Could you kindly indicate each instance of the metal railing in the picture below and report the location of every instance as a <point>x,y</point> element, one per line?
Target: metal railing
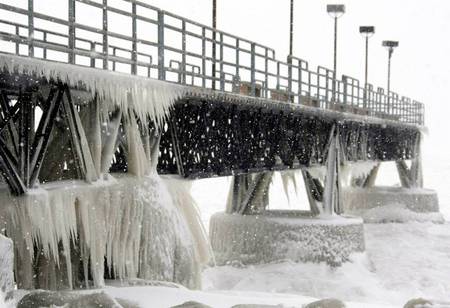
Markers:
<point>182,49</point>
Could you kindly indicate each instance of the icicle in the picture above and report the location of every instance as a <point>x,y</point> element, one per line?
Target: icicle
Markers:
<point>137,159</point>
<point>142,96</point>
<point>288,177</point>
<point>146,228</point>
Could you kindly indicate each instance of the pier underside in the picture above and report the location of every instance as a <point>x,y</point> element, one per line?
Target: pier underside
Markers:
<point>207,134</point>
<point>233,135</point>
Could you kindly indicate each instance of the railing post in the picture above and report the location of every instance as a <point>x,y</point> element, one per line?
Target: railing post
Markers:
<point>422,121</point>
<point>161,69</point>
<point>105,35</point>
<point>134,38</point>
<point>222,75</point>
<point>222,81</point>
<point>30,28</point>
<point>345,84</point>
<point>71,31</point>
<point>253,70</point>
<point>289,77</point>
<point>278,75</point>
<point>266,72</point>
<point>183,53</point>
<point>114,61</point>
<point>92,57</point>
<point>203,57</point>
<point>237,58</point>
<point>17,43</point>
<point>300,82</point>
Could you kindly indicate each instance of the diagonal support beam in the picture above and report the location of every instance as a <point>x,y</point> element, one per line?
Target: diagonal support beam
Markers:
<point>332,200</point>
<point>314,191</point>
<point>43,132</point>
<point>253,201</point>
<point>9,170</point>
<point>81,148</point>
<point>404,173</point>
<point>8,115</point>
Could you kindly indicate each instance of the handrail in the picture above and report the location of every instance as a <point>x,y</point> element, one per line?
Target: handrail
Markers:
<point>237,60</point>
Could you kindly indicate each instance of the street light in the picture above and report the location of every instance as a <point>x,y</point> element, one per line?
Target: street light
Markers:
<point>335,11</point>
<point>390,45</point>
<point>367,32</point>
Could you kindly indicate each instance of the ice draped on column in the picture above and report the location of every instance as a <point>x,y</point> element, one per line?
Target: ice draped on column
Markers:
<point>134,224</point>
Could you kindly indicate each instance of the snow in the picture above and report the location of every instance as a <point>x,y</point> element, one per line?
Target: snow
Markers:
<point>401,262</point>
<point>6,264</point>
<point>144,96</point>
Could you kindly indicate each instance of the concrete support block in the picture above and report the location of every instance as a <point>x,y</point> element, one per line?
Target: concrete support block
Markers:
<point>418,200</point>
<point>274,236</point>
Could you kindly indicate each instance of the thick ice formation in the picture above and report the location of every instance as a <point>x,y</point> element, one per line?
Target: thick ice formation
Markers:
<point>399,213</point>
<point>134,224</point>
<point>6,265</point>
<point>144,96</point>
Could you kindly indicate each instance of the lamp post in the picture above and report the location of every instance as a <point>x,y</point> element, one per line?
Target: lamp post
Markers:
<point>214,26</point>
<point>335,11</point>
<point>390,45</point>
<point>291,30</point>
<point>367,32</point>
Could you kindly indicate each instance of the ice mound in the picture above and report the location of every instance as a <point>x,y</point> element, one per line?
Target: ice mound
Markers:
<point>399,213</point>
<point>122,227</point>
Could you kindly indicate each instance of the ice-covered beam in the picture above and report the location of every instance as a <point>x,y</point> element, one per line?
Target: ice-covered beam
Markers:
<point>145,97</point>
<point>213,136</point>
<point>143,227</point>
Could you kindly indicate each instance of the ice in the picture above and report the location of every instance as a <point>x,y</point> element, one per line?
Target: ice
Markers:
<point>144,96</point>
<point>6,265</point>
<point>132,222</point>
<point>352,170</point>
<point>399,213</point>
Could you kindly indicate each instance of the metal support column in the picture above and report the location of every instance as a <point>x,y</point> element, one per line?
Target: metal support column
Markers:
<point>161,65</point>
<point>71,31</point>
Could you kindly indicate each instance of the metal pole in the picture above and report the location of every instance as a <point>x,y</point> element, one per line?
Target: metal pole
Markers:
<point>105,35</point>
<point>214,25</point>
<point>30,28</point>
<point>291,33</point>
<point>367,62</point>
<point>335,59</point>
<point>389,79</point>
<point>291,43</point>
<point>366,72</point>
<point>71,42</point>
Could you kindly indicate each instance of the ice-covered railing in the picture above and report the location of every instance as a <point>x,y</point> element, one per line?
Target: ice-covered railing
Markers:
<point>154,43</point>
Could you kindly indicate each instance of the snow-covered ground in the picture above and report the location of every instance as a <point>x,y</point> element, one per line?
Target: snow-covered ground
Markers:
<point>402,261</point>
